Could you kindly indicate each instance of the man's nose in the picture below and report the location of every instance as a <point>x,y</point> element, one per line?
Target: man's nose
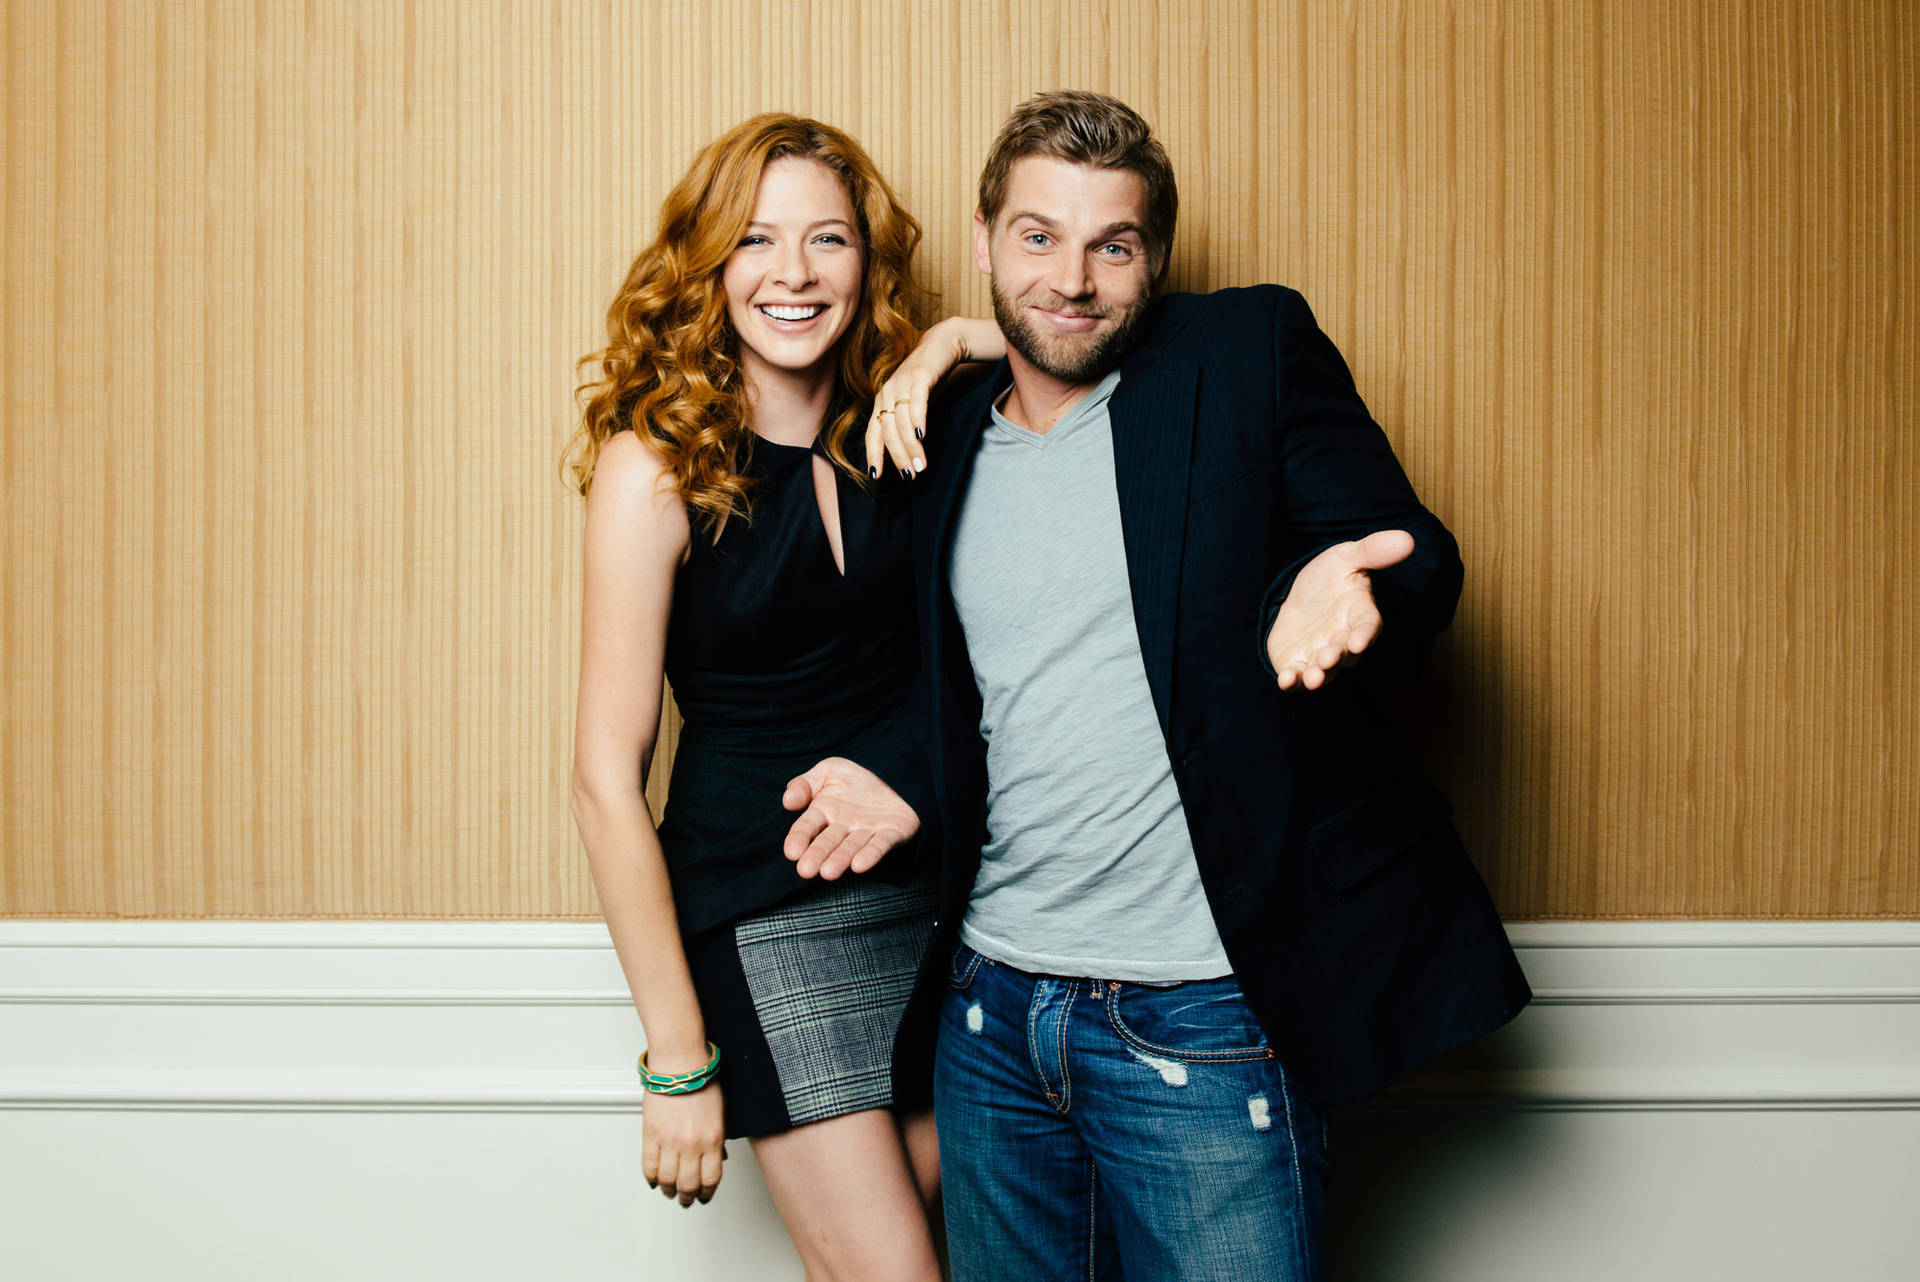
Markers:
<point>1070,277</point>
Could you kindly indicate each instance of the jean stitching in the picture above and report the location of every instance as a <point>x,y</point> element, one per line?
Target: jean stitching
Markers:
<point>1060,1046</point>
<point>1133,1039</point>
<point>1299,1181</point>
<point>965,979</point>
<point>1033,1046</point>
<point>1093,1223</point>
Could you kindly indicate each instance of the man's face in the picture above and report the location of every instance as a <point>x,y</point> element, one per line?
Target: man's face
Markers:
<point>1068,260</point>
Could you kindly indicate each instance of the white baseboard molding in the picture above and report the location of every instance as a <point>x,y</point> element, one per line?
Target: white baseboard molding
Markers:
<point>528,1016</point>
<point>1568,1089</point>
<point>1684,1100</point>
<point>315,1016</point>
<point>1661,1016</point>
<point>294,1091</point>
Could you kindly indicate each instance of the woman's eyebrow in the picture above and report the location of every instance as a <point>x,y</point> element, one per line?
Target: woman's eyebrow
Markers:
<point>823,222</point>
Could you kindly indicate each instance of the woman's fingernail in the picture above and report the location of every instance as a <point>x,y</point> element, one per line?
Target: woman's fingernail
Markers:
<point>919,433</point>
<point>905,475</point>
<point>874,471</point>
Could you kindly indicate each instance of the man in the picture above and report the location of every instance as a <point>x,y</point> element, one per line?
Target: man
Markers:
<point>1195,890</point>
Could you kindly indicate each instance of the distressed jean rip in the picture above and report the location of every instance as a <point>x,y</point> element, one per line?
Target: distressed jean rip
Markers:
<point>1171,1071</point>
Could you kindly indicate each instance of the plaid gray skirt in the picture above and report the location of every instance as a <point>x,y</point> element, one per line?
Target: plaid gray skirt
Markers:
<point>804,1001</point>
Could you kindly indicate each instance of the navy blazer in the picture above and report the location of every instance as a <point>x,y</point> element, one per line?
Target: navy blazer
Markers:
<point>1364,939</point>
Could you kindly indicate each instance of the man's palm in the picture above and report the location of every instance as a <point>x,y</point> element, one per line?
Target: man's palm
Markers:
<point>1329,616</point>
<point>849,819</point>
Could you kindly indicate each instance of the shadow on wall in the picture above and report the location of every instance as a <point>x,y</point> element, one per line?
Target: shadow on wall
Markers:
<point>1475,727</point>
<point>1401,1165</point>
<point>1393,1197</point>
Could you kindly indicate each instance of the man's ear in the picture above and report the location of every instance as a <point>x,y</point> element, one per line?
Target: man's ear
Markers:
<point>982,242</point>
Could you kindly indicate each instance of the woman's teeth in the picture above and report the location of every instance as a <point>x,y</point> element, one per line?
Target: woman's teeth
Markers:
<point>793,313</point>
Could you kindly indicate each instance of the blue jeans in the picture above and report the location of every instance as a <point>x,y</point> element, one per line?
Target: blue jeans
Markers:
<point>1097,1129</point>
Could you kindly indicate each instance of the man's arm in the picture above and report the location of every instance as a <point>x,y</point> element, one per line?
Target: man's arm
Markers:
<point>855,809</point>
<point>1380,575</point>
<point>849,819</point>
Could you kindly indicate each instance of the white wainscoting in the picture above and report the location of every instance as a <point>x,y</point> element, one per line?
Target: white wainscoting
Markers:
<point>370,1100</point>
<point>1684,1100</point>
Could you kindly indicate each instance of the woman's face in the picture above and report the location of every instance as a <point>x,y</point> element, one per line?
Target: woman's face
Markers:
<point>793,283</point>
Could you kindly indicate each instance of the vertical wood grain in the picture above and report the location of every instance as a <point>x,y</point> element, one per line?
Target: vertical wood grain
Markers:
<point>293,295</point>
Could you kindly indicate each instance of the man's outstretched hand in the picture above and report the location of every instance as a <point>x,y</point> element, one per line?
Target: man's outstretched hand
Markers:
<point>848,819</point>
<point>1329,616</point>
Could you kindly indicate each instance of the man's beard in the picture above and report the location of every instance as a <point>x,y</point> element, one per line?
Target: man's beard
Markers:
<point>1071,358</point>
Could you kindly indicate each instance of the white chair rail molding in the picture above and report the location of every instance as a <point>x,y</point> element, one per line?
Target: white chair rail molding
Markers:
<point>303,1100</point>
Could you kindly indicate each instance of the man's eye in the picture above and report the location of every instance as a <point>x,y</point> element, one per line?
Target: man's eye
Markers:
<point>1115,251</point>
<point>1035,238</point>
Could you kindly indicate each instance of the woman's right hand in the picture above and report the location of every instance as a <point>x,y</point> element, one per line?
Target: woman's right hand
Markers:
<point>899,419</point>
<point>683,1144</point>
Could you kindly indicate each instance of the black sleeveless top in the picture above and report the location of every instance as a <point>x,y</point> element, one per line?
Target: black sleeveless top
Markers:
<point>776,660</point>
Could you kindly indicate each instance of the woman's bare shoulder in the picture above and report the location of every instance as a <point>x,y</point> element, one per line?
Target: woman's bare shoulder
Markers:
<point>633,487</point>
<point>628,463</point>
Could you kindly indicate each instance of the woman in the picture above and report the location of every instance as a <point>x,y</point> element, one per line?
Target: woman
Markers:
<point>731,544</point>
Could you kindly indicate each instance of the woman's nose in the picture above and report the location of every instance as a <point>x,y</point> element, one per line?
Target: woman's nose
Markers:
<point>795,269</point>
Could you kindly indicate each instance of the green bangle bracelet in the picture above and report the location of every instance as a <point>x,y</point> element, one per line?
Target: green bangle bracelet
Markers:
<point>680,1083</point>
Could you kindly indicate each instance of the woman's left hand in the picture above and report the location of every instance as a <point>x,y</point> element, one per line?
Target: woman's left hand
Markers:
<point>899,420</point>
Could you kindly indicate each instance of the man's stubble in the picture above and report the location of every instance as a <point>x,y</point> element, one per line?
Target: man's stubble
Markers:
<point>1059,355</point>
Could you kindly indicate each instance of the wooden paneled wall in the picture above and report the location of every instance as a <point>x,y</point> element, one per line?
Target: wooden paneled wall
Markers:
<point>293,292</point>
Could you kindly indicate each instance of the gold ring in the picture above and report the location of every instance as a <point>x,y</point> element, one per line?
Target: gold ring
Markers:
<point>883,413</point>
<point>902,401</point>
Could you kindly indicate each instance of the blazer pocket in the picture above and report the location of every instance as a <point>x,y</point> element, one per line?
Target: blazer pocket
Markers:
<point>1354,842</point>
<point>1216,487</point>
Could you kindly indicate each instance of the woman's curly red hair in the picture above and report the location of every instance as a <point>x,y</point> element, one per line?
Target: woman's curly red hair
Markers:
<point>672,360</point>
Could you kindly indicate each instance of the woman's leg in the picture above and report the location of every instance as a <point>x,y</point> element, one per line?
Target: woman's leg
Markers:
<point>847,1192</point>
<point>923,1154</point>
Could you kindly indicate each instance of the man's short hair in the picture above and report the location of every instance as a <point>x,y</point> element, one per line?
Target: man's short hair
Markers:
<point>1087,129</point>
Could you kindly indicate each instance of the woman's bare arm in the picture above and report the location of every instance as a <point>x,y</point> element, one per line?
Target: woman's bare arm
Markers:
<point>636,536</point>
<point>898,422</point>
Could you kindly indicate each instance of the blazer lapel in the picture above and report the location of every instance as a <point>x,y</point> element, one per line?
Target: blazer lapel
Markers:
<point>950,477</point>
<point>1152,412</point>
<point>965,424</point>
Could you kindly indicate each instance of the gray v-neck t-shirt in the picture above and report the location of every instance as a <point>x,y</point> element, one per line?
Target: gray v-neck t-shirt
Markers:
<point>1088,867</point>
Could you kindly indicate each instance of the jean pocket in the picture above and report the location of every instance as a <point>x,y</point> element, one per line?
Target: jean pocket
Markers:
<point>961,968</point>
<point>1207,1021</point>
